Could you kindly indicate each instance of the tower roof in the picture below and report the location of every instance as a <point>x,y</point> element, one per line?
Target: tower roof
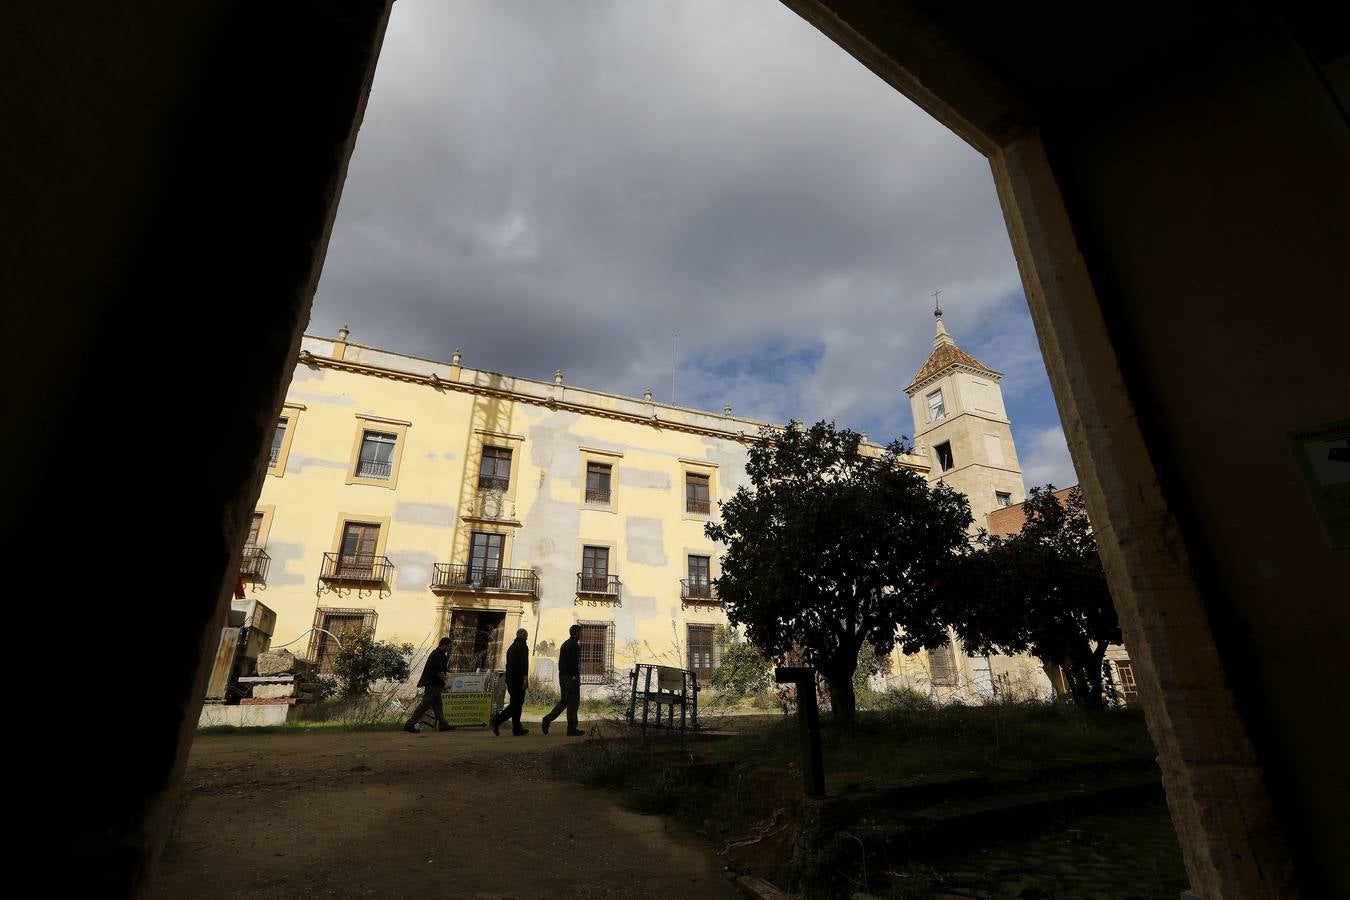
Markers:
<point>946,353</point>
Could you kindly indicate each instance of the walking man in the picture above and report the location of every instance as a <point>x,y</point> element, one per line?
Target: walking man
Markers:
<point>433,679</point>
<point>569,682</point>
<point>517,670</point>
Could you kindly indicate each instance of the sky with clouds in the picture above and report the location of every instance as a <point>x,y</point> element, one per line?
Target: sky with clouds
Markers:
<point>569,185</point>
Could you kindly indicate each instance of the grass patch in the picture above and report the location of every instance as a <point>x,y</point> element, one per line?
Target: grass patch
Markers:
<point>750,784</point>
<point>904,743</point>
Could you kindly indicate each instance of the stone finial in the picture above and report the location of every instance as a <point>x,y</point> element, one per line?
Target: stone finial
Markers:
<point>343,332</point>
<point>557,377</point>
<point>454,360</point>
<point>647,395</point>
<point>864,437</point>
<point>726,410</point>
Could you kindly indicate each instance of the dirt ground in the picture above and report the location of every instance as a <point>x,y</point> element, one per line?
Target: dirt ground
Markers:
<point>457,814</point>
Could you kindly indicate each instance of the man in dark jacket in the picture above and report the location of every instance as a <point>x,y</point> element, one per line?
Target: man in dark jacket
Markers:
<point>431,683</point>
<point>517,670</point>
<point>569,683</point>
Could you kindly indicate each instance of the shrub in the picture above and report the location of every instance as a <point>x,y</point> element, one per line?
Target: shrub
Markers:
<point>743,671</point>
<point>362,660</point>
<point>539,692</point>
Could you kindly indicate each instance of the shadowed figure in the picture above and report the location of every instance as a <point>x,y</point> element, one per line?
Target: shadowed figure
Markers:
<point>569,683</point>
<point>431,683</point>
<point>517,671</point>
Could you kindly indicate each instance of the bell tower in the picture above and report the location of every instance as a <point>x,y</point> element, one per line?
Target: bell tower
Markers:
<point>960,424</point>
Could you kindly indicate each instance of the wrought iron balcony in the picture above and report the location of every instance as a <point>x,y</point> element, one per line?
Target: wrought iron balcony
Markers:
<point>452,576</point>
<point>253,563</point>
<point>597,496</point>
<point>356,568</point>
<point>373,468</point>
<point>698,590</point>
<point>493,483</point>
<point>608,587</point>
<point>699,506</point>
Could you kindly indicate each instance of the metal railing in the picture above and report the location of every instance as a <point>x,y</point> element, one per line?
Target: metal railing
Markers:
<point>698,589</point>
<point>253,563</point>
<point>699,506</point>
<point>493,483</point>
<point>600,585</point>
<point>373,468</point>
<point>598,495</point>
<point>356,568</point>
<point>446,576</point>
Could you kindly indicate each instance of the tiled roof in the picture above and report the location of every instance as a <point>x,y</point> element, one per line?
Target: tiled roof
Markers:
<point>945,355</point>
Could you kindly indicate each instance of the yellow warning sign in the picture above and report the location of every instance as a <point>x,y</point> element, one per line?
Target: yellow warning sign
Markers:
<point>467,709</point>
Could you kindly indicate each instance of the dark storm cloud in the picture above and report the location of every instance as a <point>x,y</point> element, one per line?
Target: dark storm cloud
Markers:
<point>568,184</point>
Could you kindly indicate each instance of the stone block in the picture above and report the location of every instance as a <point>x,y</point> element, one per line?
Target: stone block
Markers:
<point>282,662</point>
<point>273,691</point>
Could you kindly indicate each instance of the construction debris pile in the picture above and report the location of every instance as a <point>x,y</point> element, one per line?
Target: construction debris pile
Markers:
<point>281,679</point>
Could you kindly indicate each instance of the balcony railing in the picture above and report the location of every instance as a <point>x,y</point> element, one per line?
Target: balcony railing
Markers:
<point>449,576</point>
<point>493,483</point>
<point>356,568</point>
<point>699,506</point>
<point>597,496</point>
<point>253,563</point>
<point>607,586</point>
<point>698,590</point>
<point>373,468</point>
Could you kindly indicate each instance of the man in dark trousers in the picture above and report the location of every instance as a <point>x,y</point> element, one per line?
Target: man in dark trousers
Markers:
<point>431,683</point>
<point>517,670</point>
<point>569,682</point>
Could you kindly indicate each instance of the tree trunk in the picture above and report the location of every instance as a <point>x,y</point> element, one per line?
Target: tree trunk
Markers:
<point>843,701</point>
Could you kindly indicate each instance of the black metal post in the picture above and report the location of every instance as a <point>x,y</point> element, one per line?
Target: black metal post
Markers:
<point>808,716</point>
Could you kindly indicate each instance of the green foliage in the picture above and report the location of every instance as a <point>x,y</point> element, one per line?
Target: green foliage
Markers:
<point>869,663</point>
<point>832,546</point>
<point>743,670</point>
<point>1042,591</point>
<point>362,660</point>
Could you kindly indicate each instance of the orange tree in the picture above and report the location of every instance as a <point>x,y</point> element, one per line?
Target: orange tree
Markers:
<point>1041,590</point>
<point>833,545</point>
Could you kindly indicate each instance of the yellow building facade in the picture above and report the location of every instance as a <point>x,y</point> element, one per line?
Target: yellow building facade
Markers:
<point>423,498</point>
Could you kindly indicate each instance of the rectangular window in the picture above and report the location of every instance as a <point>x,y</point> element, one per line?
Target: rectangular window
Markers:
<point>937,410</point>
<point>1129,691</point>
<point>278,439</point>
<point>596,643</point>
<point>356,559</point>
<point>595,569</point>
<point>942,671</point>
<point>597,483</point>
<point>702,652</point>
<point>945,460</point>
<point>700,577</point>
<point>1003,497</point>
<point>697,498</point>
<point>494,471</point>
<point>254,527</point>
<point>485,558</point>
<point>333,626</point>
<point>377,455</point>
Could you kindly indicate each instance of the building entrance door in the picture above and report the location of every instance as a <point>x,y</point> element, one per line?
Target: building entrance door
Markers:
<point>475,639</point>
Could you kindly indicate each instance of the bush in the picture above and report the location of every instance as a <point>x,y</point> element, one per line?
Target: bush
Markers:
<point>363,660</point>
<point>743,671</point>
<point>539,692</point>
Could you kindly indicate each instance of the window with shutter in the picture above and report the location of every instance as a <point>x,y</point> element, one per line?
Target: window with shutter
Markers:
<point>702,652</point>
